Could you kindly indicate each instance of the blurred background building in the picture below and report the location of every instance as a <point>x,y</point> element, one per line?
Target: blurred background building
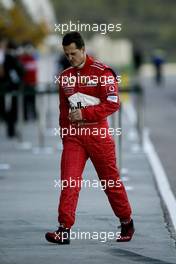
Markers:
<point>145,25</point>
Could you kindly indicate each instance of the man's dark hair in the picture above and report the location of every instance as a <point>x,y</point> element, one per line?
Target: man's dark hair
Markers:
<point>73,37</point>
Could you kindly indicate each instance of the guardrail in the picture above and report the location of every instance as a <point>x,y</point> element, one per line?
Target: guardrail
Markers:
<point>49,89</point>
<point>136,90</point>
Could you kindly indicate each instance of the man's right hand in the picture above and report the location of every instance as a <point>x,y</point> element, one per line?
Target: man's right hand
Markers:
<point>75,115</point>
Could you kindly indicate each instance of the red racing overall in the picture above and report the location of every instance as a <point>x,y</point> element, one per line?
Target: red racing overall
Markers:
<point>93,89</point>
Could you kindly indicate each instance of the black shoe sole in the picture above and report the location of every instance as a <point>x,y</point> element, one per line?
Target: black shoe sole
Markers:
<point>65,242</point>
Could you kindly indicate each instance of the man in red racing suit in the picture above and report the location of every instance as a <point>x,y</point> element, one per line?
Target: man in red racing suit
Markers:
<point>88,95</point>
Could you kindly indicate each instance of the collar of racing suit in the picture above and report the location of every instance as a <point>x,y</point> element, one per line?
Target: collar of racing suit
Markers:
<point>89,61</point>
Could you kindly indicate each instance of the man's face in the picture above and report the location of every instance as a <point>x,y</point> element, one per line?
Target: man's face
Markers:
<point>75,56</point>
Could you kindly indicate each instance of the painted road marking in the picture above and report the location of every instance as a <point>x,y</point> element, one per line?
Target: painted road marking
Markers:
<point>158,170</point>
<point>161,179</point>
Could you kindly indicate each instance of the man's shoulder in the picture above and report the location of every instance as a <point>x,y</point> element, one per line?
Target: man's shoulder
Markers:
<point>98,65</point>
<point>102,68</point>
<point>66,71</point>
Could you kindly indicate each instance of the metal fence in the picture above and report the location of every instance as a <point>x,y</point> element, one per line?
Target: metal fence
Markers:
<point>46,90</point>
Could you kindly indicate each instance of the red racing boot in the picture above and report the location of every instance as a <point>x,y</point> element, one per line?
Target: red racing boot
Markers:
<point>60,236</point>
<point>127,231</point>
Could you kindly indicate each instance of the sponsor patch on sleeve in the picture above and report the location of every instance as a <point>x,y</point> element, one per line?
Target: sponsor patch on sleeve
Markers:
<point>112,98</point>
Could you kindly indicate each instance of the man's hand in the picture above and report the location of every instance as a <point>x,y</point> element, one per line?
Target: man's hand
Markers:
<point>75,115</point>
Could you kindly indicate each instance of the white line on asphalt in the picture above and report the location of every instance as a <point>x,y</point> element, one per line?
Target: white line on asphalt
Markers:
<point>4,166</point>
<point>161,179</point>
<point>129,188</point>
<point>157,167</point>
